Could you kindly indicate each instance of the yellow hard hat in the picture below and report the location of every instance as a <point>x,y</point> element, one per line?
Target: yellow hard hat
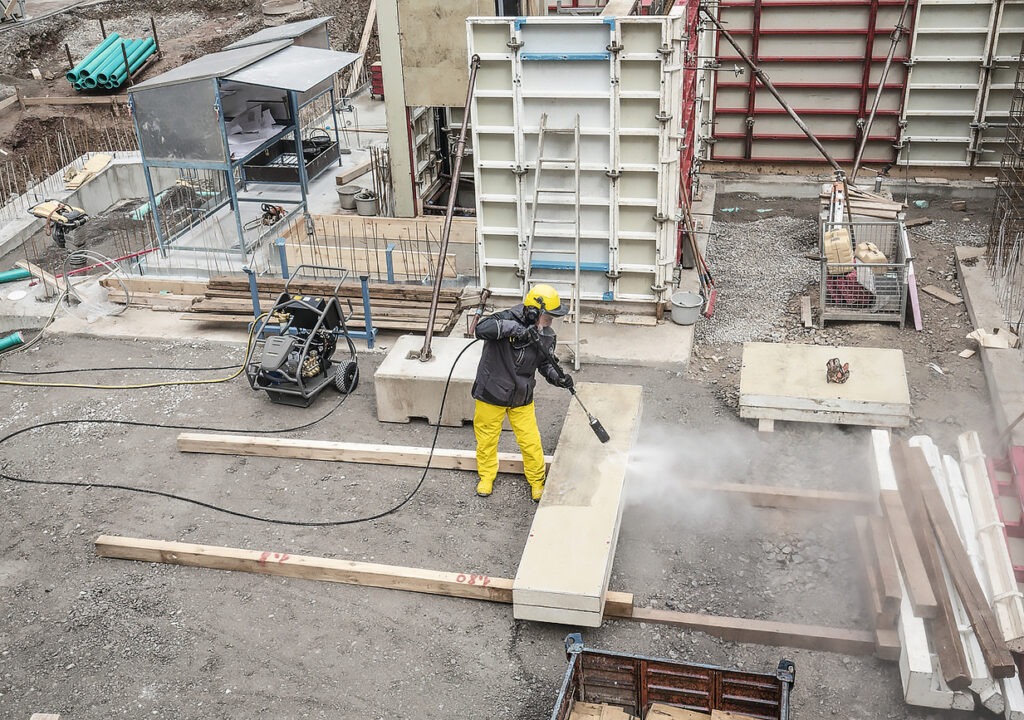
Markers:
<point>545,298</point>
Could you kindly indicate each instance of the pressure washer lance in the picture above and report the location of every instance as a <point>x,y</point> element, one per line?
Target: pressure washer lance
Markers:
<point>595,424</point>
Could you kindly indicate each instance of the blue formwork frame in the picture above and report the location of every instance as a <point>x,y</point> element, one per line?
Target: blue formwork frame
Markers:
<point>229,166</point>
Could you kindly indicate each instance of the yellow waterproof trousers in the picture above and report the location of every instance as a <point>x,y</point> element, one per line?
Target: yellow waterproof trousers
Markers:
<point>487,421</point>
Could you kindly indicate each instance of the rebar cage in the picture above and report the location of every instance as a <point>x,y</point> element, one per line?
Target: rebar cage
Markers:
<point>865,288</point>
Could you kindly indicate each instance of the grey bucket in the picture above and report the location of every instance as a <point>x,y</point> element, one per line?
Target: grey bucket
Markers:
<point>686,307</point>
<point>347,196</point>
<point>366,203</point>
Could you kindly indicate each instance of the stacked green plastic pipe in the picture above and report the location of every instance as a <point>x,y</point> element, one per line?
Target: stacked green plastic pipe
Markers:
<point>104,67</point>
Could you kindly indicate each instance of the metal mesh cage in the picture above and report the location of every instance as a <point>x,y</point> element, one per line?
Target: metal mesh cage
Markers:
<point>868,280</point>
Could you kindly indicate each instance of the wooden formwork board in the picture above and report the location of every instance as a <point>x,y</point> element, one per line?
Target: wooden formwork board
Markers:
<point>564,570</point>
<point>783,381</point>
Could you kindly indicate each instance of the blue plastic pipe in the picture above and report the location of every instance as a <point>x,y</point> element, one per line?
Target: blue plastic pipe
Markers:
<point>72,74</point>
<point>14,274</point>
<point>11,340</point>
<point>135,61</point>
<point>114,62</point>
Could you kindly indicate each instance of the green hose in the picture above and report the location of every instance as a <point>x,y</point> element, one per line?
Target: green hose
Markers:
<point>14,274</point>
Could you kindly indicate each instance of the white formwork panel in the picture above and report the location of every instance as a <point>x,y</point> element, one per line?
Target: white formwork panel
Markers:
<point>963,66</point>
<point>622,77</point>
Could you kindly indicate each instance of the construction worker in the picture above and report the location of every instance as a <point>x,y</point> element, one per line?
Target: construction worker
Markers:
<point>505,379</point>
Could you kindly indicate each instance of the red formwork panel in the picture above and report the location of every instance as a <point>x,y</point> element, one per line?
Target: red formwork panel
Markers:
<point>743,107</point>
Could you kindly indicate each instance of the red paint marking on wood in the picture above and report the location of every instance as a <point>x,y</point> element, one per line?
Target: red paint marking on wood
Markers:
<point>263,558</point>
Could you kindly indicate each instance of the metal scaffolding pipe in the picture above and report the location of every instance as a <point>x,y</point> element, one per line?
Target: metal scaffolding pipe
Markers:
<point>760,75</point>
<point>446,229</point>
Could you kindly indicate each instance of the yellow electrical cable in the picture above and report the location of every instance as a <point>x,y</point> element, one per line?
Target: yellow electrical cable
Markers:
<point>241,368</point>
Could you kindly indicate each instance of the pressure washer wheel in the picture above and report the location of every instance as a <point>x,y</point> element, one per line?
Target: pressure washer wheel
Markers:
<point>346,376</point>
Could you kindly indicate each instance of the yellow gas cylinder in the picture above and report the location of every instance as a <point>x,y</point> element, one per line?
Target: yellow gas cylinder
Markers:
<point>868,253</point>
<point>838,251</point>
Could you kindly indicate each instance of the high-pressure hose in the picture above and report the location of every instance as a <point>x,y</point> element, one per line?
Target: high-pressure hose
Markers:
<point>595,424</point>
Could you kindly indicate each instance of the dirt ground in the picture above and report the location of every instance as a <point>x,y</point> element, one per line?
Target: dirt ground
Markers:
<point>96,638</point>
<point>100,638</point>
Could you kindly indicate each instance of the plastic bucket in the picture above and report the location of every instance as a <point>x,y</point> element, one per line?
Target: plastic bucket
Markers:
<point>347,196</point>
<point>366,203</point>
<point>686,307</point>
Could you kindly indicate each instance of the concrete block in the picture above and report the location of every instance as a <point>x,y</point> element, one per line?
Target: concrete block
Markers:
<point>407,388</point>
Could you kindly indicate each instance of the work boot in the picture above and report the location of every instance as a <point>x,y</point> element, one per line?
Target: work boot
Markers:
<point>484,487</point>
<point>536,490</point>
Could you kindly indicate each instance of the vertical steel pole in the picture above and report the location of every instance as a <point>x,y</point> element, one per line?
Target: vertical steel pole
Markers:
<point>364,282</point>
<point>446,230</point>
<point>283,255</point>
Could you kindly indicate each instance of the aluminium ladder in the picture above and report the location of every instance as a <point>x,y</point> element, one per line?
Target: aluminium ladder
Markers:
<point>553,200</point>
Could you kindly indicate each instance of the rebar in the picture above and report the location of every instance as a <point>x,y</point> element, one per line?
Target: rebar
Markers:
<point>1006,230</point>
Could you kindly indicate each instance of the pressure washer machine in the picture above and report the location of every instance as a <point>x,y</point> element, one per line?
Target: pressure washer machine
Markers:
<point>293,352</point>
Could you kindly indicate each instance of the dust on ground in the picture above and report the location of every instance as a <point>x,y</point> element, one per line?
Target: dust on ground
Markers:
<point>98,638</point>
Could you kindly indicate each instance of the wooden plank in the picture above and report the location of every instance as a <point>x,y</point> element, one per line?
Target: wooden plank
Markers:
<point>916,222</point>
<point>944,634</point>
<point>81,100</point>
<point>922,597</point>
<point>884,615</point>
<point>157,285</point>
<point>915,301</point>
<point>618,8</point>
<point>765,632</point>
<point>44,716</point>
<point>661,711</point>
<point>788,498</point>
<point>997,656</point>
<point>887,644</point>
<point>349,572</point>
<point>364,43</point>
<point>922,685</point>
<point>982,684</point>
<point>347,175</point>
<point>995,555</point>
<point>568,555</point>
<point>885,561</point>
<point>375,454</point>
<point>805,311</point>
<point>13,99</point>
<point>943,295</point>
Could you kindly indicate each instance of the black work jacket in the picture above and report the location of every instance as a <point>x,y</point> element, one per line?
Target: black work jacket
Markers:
<point>506,374</point>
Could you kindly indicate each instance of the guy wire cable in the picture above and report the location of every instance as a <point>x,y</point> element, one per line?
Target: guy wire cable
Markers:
<point>216,508</point>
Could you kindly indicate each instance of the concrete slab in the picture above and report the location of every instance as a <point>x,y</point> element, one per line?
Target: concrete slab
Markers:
<point>565,567</point>
<point>1004,368</point>
<point>407,388</point>
<point>783,381</point>
<point>611,343</point>
<point>25,313</point>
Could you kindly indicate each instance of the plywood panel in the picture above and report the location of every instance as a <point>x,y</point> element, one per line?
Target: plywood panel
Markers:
<point>568,556</point>
<point>434,55</point>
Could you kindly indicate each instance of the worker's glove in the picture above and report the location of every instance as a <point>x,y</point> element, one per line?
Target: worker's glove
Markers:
<point>566,381</point>
<point>530,315</point>
<point>527,334</point>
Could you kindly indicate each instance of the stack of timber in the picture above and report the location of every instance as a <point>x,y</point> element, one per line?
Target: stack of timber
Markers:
<point>401,308</point>
<point>866,203</point>
<point>939,577</point>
